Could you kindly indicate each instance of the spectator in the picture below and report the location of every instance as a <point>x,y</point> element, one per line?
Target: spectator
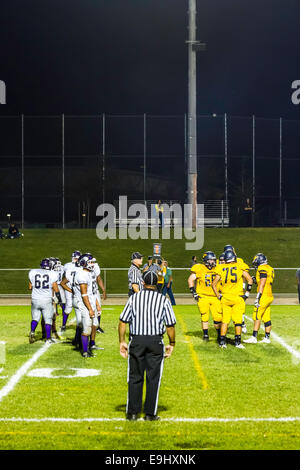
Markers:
<point>298,282</point>
<point>194,261</point>
<point>247,213</point>
<point>148,264</point>
<point>161,271</point>
<point>168,281</point>
<point>1,233</point>
<point>159,212</point>
<point>13,232</point>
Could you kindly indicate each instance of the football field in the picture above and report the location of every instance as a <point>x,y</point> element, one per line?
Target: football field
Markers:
<point>52,398</point>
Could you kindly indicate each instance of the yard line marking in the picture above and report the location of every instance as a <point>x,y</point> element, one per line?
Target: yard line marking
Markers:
<point>22,371</point>
<point>284,419</point>
<point>277,338</point>
<point>193,354</point>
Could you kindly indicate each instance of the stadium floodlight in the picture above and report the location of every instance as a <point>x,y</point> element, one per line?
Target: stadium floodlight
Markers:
<point>193,47</point>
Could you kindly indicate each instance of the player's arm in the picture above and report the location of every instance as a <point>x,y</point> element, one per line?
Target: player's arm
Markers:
<point>101,285</point>
<point>86,300</point>
<point>249,281</point>
<point>56,292</point>
<point>64,285</point>
<point>214,286</point>
<point>29,286</point>
<point>98,306</point>
<point>135,287</point>
<point>261,286</point>
<point>191,283</point>
<point>123,344</point>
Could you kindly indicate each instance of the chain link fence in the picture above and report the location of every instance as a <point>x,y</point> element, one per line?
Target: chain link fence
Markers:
<point>56,170</point>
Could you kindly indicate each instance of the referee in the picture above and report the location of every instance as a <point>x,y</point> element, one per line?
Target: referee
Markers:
<point>149,314</point>
<point>135,279</point>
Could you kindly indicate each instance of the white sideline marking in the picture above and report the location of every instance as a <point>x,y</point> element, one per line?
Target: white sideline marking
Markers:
<point>282,342</point>
<point>179,420</point>
<point>22,371</point>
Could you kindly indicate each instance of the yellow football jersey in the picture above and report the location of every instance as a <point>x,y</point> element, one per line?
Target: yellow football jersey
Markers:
<point>244,267</point>
<point>205,278</point>
<point>231,275</point>
<point>264,270</point>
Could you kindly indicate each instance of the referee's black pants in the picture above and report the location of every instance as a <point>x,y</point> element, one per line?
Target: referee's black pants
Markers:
<point>146,354</point>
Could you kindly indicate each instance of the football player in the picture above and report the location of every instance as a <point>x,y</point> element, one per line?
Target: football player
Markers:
<point>262,305</point>
<point>69,297</point>
<point>54,265</point>
<point>243,285</point>
<point>86,300</point>
<point>98,283</point>
<point>230,274</point>
<point>203,275</point>
<point>42,283</point>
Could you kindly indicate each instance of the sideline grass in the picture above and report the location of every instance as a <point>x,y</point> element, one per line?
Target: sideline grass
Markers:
<point>279,244</point>
<point>259,382</point>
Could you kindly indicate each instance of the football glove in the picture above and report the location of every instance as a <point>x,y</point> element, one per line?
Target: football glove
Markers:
<point>194,293</point>
<point>256,302</point>
<point>254,280</point>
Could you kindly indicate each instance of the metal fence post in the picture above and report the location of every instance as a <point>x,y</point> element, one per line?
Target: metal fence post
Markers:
<point>103,158</point>
<point>253,171</point>
<point>63,171</point>
<point>145,150</point>
<point>226,156</point>
<point>280,171</point>
<point>22,171</point>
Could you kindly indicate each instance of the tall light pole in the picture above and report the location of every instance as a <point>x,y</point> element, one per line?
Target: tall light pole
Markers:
<point>193,47</point>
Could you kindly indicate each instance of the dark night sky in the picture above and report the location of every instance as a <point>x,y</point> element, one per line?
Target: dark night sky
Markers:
<point>130,56</point>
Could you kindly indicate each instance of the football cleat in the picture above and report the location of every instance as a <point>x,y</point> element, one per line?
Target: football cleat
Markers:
<point>265,340</point>
<point>251,340</point>
<point>87,354</point>
<point>96,348</point>
<point>239,345</point>
<point>99,330</point>
<point>31,337</point>
<point>223,345</point>
<point>205,338</point>
<point>62,329</point>
<point>51,341</point>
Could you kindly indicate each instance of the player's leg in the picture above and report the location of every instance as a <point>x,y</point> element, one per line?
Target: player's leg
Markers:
<point>266,318</point>
<point>203,306</point>
<point>79,327</point>
<point>216,310</point>
<point>257,314</point>
<point>99,314</point>
<point>67,310</point>
<point>226,318</point>
<point>92,344</point>
<point>35,318</point>
<point>237,317</point>
<point>47,312</point>
<point>86,333</point>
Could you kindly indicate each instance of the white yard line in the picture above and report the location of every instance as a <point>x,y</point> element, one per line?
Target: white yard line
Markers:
<point>279,340</point>
<point>284,419</point>
<point>22,371</point>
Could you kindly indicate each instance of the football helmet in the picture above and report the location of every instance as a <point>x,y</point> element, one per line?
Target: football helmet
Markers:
<point>229,248</point>
<point>229,256</point>
<point>86,261</point>
<point>75,255</point>
<point>45,264</point>
<point>259,259</point>
<point>209,259</point>
<point>221,258</point>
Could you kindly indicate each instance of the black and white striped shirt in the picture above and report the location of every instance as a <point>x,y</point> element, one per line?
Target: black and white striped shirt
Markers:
<point>134,277</point>
<point>148,313</point>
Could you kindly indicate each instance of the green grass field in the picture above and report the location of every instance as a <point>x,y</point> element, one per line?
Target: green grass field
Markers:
<point>281,245</point>
<point>237,399</point>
